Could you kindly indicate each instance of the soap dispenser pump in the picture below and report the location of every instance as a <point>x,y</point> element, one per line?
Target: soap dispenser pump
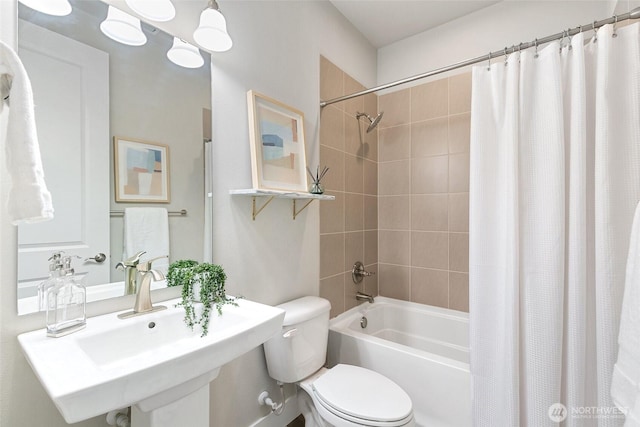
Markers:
<point>65,302</point>
<point>55,271</point>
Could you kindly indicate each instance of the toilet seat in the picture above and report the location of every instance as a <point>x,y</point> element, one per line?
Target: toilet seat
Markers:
<point>362,396</point>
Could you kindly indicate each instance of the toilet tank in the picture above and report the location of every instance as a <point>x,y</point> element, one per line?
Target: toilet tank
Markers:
<point>300,348</point>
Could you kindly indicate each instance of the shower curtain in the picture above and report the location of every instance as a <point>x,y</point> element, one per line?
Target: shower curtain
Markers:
<point>555,179</point>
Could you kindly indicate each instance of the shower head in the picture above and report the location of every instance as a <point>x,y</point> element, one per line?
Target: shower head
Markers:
<point>373,122</point>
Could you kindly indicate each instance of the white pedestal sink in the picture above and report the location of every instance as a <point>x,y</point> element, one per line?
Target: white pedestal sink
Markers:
<point>153,363</point>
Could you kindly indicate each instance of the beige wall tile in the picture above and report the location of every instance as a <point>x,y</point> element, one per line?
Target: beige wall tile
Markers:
<point>460,93</point>
<point>394,178</point>
<point>396,107</point>
<point>394,281</point>
<point>429,212</point>
<point>370,213</point>
<point>353,105</point>
<point>370,247</point>
<point>430,100</point>
<point>332,288</point>
<point>459,291</point>
<point>459,173</point>
<point>371,138</point>
<point>394,212</point>
<point>370,148</point>
<point>394,247</point>
<point>353,174</point>
<point>331,81</point>
<point>370,177</point>
<point>459,252</point>
<point>332,127</point>
<point>332,214</point>
<point>394,143</point>
<point>331,254</point>
<point>334,160</point>
<point>429,175</point>
<point>430,287</point>
<point>429,137</point>
<point>430,249</point>
<point>353,249</point>
<point>353,212</point>
<point>459,133</point>
<point>353,138</point>
<point>459,212</point>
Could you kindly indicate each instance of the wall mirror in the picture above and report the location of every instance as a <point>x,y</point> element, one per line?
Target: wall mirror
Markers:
<point>89,89</point>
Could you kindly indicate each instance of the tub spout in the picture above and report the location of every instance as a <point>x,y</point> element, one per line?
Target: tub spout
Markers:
<point>361,296</point>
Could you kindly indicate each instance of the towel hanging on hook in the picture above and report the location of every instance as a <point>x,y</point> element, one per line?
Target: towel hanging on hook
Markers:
<point>29,199</point>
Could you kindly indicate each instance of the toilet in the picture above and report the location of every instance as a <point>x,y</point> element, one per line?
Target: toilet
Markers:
<point>343,396</point>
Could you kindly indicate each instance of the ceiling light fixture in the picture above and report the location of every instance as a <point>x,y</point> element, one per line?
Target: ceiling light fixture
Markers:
<point>212,34</point>
<point>185,54</point>
<point>123,28</point>
<point>50,7</point>
<point>155,10</point>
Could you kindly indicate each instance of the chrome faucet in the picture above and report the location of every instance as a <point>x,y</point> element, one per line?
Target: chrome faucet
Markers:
<point>130,266</point>
<point>361,296</point>
<point>143,303</point>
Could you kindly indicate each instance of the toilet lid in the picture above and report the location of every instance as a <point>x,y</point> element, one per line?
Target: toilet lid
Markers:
<point>363,394</point>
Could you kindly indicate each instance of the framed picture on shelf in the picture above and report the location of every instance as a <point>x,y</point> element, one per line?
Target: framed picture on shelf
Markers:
<point>276,134</point>
<point>141,171</point>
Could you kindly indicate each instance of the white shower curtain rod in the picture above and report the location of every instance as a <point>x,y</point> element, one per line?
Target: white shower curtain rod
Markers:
<point>634,14</point>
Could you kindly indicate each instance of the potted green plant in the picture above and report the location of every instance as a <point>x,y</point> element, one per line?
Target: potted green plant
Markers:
<point>202,283</point>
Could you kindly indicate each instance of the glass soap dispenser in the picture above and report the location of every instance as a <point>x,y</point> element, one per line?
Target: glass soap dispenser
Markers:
<point>65,302</point>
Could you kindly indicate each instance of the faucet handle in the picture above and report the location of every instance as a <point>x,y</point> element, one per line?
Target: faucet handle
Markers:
<point>146,265</point>
<point>131,261</point>
<point>358,272</point>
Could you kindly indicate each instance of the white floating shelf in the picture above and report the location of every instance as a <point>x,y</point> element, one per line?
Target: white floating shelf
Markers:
<point>276,194</point>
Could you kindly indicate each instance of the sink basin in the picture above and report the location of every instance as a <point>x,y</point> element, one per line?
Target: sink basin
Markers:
<point>148,361</point>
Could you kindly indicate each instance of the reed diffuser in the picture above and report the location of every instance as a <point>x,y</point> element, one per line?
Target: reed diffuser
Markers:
<point>316,187</point>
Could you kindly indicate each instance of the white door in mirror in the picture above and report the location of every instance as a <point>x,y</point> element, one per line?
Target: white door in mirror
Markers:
<point>72,119</point>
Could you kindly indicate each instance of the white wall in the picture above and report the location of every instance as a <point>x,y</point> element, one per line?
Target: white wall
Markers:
<point>276,51</point>
<point>491,29</point>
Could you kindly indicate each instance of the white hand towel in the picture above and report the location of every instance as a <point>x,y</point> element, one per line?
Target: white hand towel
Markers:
<point>29,199</point>
<point>147,229</point>
<point>625,385</point>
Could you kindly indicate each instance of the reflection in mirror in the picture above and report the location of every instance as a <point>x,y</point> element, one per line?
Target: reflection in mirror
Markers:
<point>89,89</point>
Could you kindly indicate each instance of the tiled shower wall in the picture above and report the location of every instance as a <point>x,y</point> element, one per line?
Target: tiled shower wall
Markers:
<point>348,225</point>
<point>402,192</point>
<point>423,204</point>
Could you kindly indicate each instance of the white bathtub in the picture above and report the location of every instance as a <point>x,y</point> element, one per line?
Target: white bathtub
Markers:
<point>424,349</point>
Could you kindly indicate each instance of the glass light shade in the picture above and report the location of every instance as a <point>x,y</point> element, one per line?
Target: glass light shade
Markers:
<point>212,34</point>
<point>50,7</point>
<point>184,54</point>
<point>156,10</point>
<point>123,28</point>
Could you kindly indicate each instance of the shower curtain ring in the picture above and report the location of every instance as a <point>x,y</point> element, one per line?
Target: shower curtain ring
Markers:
<point>505,57</point>
<point>595,32</point>
<point>536,44</point>
<point>489,65</point>
<point>569,39</point>
<point>615,23</point>
<point>519,52</point>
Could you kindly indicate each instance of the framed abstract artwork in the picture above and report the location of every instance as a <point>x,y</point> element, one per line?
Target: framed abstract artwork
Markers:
<point>276,134</point>
<point>141,171</point>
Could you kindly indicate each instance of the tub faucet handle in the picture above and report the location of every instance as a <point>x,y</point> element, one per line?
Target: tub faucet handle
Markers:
<point>358,272</point>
